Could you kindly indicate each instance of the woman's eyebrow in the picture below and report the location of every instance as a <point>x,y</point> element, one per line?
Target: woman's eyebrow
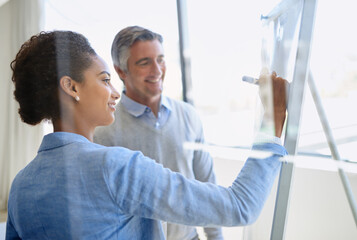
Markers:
<point>104,72</point>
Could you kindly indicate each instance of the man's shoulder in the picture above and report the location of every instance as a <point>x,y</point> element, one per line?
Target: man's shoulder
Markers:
<point>185,113</point>
<point>180,105</point>
<point>104,135</point>
<point>103,129</point>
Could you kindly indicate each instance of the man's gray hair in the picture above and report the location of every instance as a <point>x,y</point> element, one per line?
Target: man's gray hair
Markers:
<point>125,39</point>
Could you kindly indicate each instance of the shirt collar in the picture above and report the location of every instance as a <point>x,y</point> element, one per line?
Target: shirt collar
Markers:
<point>137,109</point>
<point>59,139</point>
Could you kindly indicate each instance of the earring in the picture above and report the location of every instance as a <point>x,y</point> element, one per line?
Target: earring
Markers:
<point>77,98</point>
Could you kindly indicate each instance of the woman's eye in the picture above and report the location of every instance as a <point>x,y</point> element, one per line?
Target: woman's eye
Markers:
<point>107,80</point>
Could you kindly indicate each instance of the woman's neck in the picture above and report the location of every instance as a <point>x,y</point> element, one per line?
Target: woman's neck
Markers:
<point>72,127</point>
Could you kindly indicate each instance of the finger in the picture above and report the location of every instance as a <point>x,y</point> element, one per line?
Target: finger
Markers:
<point>264,79</point>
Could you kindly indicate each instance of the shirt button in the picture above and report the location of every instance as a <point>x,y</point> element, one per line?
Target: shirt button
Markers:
<point>157,124</point>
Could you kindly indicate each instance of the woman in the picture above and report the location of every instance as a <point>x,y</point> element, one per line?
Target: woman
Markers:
<point>77,189</point>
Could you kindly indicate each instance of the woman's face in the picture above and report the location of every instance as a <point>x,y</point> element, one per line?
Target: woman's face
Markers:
<point>97,95</point>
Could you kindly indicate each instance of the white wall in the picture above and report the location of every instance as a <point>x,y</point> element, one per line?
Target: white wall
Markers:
<point>19,20</point>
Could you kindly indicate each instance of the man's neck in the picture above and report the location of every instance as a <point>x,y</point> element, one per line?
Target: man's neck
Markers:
<point>152,103</point>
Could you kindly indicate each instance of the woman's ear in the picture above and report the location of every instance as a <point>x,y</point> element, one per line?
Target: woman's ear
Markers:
<point>70,87</point>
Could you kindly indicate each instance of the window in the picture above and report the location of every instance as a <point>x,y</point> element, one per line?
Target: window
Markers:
<point>100,21</point>
<point>225,41</point>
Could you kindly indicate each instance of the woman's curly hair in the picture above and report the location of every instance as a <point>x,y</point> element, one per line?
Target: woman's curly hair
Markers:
<point>39,65</point>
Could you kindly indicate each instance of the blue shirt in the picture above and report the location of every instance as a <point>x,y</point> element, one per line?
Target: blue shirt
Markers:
<point>145,113</point>
<point>77,189</point>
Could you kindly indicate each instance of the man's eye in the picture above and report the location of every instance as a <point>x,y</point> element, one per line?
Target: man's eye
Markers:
<point>143,63</point>
<point>161,60</point>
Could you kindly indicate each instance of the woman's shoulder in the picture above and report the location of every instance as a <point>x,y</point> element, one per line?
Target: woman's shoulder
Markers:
<point>115,153</point>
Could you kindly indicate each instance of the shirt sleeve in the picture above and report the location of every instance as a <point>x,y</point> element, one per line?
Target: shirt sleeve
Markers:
<point>144,188</point>
<point>10,230</point>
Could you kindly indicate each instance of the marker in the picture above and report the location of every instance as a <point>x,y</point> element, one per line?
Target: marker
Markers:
<point>253,80</point>
<point>250,80</point>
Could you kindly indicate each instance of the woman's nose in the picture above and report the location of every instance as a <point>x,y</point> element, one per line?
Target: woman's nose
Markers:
<point>115,93</point>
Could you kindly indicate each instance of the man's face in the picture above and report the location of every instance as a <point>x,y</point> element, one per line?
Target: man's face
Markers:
<point>146,72</point>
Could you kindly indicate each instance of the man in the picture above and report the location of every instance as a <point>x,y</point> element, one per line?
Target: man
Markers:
<point>150,122</point>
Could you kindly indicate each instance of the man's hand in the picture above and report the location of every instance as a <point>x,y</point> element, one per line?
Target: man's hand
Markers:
<point>273,91</point>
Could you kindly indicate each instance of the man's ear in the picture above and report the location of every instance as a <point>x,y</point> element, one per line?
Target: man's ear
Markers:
<point>69,86</point>
<point>120,72</point>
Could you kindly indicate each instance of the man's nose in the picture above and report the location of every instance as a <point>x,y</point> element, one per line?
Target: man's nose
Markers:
<point>157,68</point>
